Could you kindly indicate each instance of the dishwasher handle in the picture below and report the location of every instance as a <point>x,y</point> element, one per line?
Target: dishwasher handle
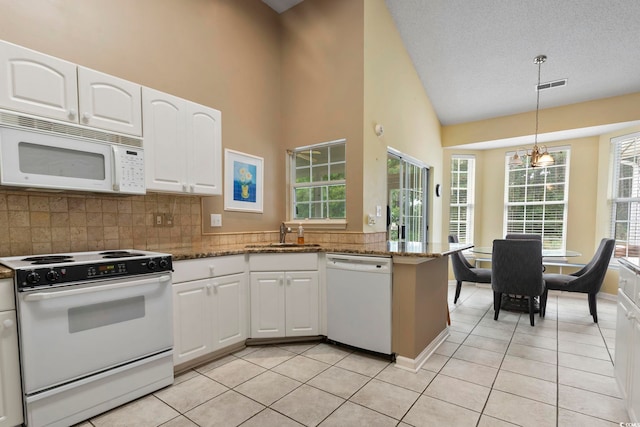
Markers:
<point>364,264</point>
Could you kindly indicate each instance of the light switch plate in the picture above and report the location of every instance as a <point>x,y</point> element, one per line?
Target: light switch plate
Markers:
<point>378,211</point>
<point>216,220</point>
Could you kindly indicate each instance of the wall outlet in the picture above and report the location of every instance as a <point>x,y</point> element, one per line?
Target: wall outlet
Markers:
<point>216,220</point>
<point>168,220</point>
<point>371,220</point>
<point>158,219</point>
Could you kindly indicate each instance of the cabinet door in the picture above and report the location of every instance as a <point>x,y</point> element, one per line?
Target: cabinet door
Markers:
<point>634,374</point>
<point>623,342</point>
<point>192,324</point>
<point>229,310</point>
<point>204,133</point>
<point>110,103</point>
<point>267,305</point>
<point>37,84</point>
<point>10,389</point>
<point>301,303</point>
<point>165,144</point>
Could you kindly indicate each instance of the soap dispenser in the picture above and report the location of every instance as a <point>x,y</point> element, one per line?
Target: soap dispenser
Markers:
<point>300,235</point>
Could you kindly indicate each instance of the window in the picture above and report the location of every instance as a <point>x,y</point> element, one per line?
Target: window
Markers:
<point>625,206</point>
<point>406,183</point>
<point>462,196</point>
<point>319,185</point>
<point>536,199</point>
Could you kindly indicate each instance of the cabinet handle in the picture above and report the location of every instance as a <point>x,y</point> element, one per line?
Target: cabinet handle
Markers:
<point>212,270</point>
<point>208,288</point>
<point>289,281</point>
<point>72,114</point>
<point>85,117</point>
<point>184,187</point>
<point>7,323</point>
<point>281,281</point>
<point>215,287</point>
<point>192,187</point>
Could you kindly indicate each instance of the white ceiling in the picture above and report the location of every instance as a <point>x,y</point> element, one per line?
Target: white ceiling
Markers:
<point>475,57</point>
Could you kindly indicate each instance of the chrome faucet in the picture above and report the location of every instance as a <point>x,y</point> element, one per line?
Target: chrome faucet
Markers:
<point>283,232</point>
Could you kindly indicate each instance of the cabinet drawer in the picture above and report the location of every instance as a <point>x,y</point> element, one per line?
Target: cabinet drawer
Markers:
<point>7,301</point>
<point>202,268</point>
<point>283,262</point>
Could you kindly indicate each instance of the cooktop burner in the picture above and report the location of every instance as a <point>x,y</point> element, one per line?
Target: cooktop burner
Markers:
<point>119,254</point>
<point>48,259</point>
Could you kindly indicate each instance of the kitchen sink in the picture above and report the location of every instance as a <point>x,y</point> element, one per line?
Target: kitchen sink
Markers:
<point>283,245</point>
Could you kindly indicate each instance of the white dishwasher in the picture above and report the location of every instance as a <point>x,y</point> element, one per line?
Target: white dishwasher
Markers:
<point>359,301</point>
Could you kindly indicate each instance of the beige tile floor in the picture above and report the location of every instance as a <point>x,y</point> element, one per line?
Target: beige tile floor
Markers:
<point>487,373</point>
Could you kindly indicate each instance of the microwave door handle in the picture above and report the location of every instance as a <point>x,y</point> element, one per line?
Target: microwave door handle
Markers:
<point>39,296</point>
<point>115,165</point>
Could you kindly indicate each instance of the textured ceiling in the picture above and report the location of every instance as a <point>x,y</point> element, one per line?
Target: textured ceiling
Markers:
<point>475,57</point>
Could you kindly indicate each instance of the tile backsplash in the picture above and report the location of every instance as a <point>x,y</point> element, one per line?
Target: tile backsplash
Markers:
<point>39,223</point>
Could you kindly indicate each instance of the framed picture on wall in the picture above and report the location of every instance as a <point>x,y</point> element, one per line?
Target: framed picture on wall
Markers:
<point>243,182</point>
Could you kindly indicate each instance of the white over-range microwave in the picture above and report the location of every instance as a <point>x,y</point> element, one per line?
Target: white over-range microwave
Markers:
<point>62,157</point>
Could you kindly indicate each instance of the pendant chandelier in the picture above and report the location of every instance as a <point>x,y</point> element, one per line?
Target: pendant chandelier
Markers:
<point>538,155</point>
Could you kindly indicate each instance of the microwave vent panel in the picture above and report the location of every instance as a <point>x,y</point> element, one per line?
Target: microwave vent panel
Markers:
<point>61,129</point>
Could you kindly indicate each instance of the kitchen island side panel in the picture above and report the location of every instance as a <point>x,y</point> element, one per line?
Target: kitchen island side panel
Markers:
<point>419,305</point>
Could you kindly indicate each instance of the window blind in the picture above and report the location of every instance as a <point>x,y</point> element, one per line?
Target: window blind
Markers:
<point>625,206</point>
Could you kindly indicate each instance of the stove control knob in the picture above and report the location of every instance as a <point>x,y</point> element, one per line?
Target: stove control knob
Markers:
<point>152,265</point>
<point>164,263</point>
<point>33,278</point>
<point>53,275</point>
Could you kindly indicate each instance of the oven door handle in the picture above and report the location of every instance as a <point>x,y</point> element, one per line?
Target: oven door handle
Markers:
<point>39,296</point>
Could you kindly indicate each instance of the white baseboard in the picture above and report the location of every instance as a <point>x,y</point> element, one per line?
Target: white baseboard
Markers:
<point>414,365</point>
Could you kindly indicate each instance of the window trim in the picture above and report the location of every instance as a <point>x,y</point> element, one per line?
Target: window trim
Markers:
<point>311,223</point>
<point>471,190</point>
<point>564,202</point>
<point>613,199</point>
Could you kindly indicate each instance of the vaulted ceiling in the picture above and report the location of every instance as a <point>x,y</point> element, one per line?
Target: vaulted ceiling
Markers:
<point>475,57</point>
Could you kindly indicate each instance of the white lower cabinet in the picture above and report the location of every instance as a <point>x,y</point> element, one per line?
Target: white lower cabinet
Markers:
<point>10,388</point>
<point>208,313</point>
<point>284,303</point>
<point>627,354</point>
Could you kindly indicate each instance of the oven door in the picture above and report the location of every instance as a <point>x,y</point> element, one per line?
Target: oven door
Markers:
<point>71,332</point>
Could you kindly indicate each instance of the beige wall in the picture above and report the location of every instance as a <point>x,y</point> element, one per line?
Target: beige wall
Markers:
<point>222,53</point>
<point>588,207</point>
<point>619,109</point>
<point>395,98</point>
<point>322,85</point>
<point>589,182</point>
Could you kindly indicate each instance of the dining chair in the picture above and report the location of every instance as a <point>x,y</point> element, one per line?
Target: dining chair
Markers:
<point>516,268</point>
<point>587,280</point>
<point>523,236</point>
<point>464,271</point>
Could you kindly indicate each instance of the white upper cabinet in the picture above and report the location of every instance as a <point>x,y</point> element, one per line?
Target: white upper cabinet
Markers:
<point>45,86</point>
<point>107,102</point>
<point>38,84</point>
<point>183,145</point>
<point>165,145</point>
<point>204,133</point>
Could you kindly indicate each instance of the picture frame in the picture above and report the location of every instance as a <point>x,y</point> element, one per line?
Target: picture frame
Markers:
<point>243,182</point>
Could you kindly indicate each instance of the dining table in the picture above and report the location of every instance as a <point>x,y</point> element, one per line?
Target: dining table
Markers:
<point>550,257</point>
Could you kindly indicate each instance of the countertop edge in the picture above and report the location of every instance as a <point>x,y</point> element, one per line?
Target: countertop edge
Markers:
<point>633,265</point>
<point>187,254</point>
